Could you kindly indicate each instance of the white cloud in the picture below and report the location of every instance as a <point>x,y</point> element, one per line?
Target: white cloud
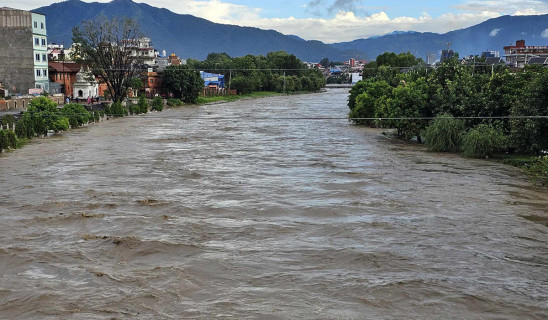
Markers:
<point>344,26</point>
<point>494,32</point>
<point>514,7</point>
<point>544,33</point>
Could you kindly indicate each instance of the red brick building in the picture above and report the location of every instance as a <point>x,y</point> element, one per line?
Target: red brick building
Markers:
<point>153,85</point>
<point>65,74</point>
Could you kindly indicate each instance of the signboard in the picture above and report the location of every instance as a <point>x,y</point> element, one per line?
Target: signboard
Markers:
<point>35,91</point>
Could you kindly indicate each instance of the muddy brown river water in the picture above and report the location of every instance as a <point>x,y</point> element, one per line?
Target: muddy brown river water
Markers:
<point>245,210</point>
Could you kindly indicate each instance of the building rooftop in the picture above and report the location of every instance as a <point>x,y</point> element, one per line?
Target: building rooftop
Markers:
<point>65,67</point>
<point>538,60</point>
<point>493,61</point>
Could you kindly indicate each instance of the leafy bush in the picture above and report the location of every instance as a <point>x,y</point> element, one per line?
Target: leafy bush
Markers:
<point>3,140</point>
<point>60,124</point>
<point>24,128</point>
<point>172,102</point>
<point>8,119</point>
<point>12,140</point>
<point>158,104</point>
<point>445,134</point>
<point>245,85</point>
<point>117,110</point>
<point>76,113</point>
<point>482,141</point>
<point>143,104</point>
<point>539,167</point>
<point>134,109</point>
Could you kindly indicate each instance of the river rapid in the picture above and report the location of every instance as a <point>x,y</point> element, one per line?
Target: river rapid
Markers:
<point>248,210</point>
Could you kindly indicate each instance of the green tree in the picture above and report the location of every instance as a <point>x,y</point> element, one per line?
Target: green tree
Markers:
<point>482,141</point>
<point>183,83</point>
<point>44,115</point>
<point>143,104</point>
<point>157,104</point>
<point>445,134</point>
<point>76,114</point>
<point>409,101</point>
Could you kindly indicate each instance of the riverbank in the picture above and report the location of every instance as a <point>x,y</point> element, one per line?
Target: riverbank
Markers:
<point>536,167</point>
<point>254,95</point>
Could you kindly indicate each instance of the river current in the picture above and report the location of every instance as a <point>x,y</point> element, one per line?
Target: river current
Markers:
<point>249,210</point>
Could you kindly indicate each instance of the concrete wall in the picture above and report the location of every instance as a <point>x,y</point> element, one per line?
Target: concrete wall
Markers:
<point>23,102</point>
<point>13,18</point>
<point>16,59</point>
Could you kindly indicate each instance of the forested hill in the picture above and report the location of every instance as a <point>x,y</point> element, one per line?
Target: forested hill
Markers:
<point>492,34</point>
<point>186,35</point>
<point>192,37</point>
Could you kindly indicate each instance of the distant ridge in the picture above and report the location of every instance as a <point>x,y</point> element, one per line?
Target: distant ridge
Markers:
<point>186,35</point>
<point>492,34</point>
<point>192,37</point>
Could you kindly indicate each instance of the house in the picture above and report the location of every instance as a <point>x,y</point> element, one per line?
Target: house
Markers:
<point>212,80</point>
<point>519,54</point>
<point>64,73</point>
<point>154,85</point>
<point>23,53</point>
<point>143,50</point>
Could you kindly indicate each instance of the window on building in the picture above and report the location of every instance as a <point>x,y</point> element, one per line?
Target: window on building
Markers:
<point>38,73</point>
<point>43,42</point>
<point>37,57</point>
<point>45,72</point>
<point>42,25</point>
<point>35,24</point>
<point>36,41</point>
<point>44,57</point>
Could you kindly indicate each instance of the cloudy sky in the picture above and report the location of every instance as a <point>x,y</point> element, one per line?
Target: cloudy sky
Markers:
<point>339,20</point>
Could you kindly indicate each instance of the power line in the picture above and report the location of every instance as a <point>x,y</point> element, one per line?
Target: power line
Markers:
<point>304,118</point>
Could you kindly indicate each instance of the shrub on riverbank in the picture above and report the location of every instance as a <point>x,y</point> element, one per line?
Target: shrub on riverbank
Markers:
<point>117,110</point>
<point>158,104</point>
<point>143,104</point>
<point>7,140</point>
<point>172,102</point>
<point>445,134</point>
<point>482,141</point>
<point>539,168</point>
<point>76,114</point>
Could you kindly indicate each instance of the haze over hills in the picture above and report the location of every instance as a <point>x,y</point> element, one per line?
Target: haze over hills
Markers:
<point>192,37</point>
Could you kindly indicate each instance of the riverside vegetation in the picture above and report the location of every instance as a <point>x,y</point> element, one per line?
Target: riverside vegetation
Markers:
<point>481,111</point>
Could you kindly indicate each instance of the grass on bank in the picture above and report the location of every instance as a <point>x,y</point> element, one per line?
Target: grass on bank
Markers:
<point>254,95</point>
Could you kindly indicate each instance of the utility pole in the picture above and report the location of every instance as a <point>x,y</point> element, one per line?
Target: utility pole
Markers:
<point>284,81</point>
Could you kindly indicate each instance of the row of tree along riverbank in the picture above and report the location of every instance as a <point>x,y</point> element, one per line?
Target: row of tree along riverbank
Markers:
<point>478,110</point>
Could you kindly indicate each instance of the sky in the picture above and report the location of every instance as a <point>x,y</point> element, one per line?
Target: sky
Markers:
<point>339,20</point>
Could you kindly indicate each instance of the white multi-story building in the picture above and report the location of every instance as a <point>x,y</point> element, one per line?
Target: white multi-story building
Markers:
<point>40,48</point>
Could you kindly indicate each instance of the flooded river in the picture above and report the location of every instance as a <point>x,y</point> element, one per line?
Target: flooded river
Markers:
<point>248,210</point>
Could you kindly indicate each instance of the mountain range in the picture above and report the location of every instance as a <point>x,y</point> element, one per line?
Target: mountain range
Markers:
<point>192,37</point>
